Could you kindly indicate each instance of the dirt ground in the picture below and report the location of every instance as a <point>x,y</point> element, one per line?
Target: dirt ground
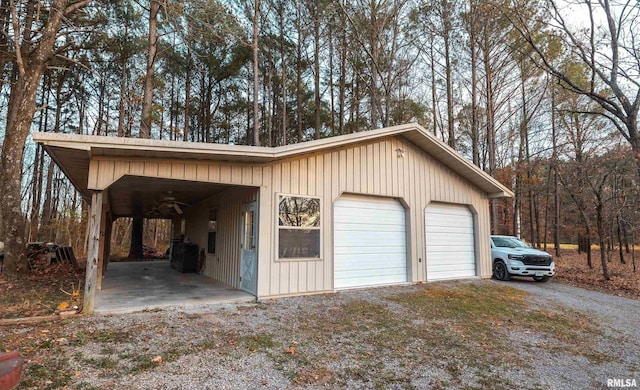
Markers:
<point>40,292</point>
<point>372,338</point>
<point>467,334</point>
<point>572,269</point>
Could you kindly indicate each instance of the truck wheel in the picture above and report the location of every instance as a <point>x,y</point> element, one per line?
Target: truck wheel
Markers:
<point>500,271</point>
<point>541,279</point>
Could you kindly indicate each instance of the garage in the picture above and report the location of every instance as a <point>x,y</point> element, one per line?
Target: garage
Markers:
<point>450,242</point>
<point>370,243</point>
<point>367,194</point>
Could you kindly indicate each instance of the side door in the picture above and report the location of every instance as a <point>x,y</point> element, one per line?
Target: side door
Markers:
<point>248,264</point>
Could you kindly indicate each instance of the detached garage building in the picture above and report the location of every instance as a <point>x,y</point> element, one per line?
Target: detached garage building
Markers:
<point>386,206</point>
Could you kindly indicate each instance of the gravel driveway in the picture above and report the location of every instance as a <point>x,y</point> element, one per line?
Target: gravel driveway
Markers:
<point>617,317</point>
<point>465,334</point>
<point>621,315</point>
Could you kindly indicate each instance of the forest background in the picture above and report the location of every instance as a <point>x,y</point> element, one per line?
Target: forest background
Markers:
<point>541,94</point>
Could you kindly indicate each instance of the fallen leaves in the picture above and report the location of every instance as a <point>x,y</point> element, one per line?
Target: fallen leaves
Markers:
<point>63,305</point>
<point>572,269</point>
<point>37,293</point>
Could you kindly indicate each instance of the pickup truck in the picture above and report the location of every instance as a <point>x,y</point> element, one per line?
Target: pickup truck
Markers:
<point>512,257</point>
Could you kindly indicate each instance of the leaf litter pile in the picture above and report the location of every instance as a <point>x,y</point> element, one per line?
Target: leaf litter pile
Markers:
<point>572,269</point>
<point>40,292</point>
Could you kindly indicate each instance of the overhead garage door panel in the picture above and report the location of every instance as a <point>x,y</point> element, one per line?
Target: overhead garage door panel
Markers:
<point>351,239</point>
<point>369,242</point>
<point>450,242</point>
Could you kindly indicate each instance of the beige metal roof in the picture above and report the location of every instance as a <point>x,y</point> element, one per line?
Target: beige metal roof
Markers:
<point>73,152</point>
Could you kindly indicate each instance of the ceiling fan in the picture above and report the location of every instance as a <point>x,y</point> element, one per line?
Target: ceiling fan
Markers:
<point>170,203</point>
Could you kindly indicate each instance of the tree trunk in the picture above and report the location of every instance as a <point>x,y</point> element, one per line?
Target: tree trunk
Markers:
<point>434,96</point>
<point>187,98</point>
<point>268,103</point>
<point>332,119</point>
<point>546,209</point>
<point>516,203</point>
<point>475,137</point>
<point>22,107</point>
<point>554,162</point>
<point>316,69</point>
<point>137,230</point>
<point>625,234</point>
<point>601,234</point>
<point>299,77</point>
<point>122,106</point>
<point>342,88</point>
<point>491,140</point>
<point>256,126</point>
<point>588,246</point>
<point>620,243</point>
<point>97,129</point>
<point>447,59</point>
<point>173,117</point>
<point>35,199</point>
<point>283,64</point>
<point>147,101</point>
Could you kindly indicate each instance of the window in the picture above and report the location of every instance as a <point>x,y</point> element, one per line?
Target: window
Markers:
<point>213,224</point>
<point>298,227</point>
<point>249,238</point>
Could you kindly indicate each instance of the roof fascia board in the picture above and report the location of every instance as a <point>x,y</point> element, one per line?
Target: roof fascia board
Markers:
<point>266,154</point>
<point>56,159</point>
<point>87,142</point>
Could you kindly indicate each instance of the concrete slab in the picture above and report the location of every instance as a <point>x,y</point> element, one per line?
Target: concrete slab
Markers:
<point>134,286</point>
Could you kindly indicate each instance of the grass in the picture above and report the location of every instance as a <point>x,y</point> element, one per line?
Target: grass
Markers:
<point>258,343</point>
<point>466,326</point>
<point>102,362</point>
<point>387,338</point>
<point>499,307</point>
<point>50,375</point>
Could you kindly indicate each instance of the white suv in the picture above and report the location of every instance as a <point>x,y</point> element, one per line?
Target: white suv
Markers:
<point>512,257</point>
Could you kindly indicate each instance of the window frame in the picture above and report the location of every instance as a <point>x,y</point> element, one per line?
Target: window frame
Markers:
<point>279,196</point>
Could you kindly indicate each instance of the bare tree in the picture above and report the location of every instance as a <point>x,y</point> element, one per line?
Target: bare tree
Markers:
<point>35,46</point>
<point>609,50</point>
<point>254,47</point>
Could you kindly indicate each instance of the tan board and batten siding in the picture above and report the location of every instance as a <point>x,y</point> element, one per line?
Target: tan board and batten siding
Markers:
<point>373,167</point>
<point>223,265</point>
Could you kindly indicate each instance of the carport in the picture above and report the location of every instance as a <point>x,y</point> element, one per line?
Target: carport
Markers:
<point>142,285</point>
<point>209,206</point>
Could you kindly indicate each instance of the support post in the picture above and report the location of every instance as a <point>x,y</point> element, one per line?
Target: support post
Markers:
<point>102,247</point>
<point>107,244</point>
<point>93,252</point>
<point>176,226</point>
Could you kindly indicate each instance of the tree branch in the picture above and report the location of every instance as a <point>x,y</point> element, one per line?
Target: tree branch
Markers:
<point>16,34</point>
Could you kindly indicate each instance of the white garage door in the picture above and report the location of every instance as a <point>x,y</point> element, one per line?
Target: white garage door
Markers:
<point>450,242</point>
<point>369,239</point>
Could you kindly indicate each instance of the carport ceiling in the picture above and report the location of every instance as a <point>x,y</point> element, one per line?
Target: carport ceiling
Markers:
<point>150,194</point>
